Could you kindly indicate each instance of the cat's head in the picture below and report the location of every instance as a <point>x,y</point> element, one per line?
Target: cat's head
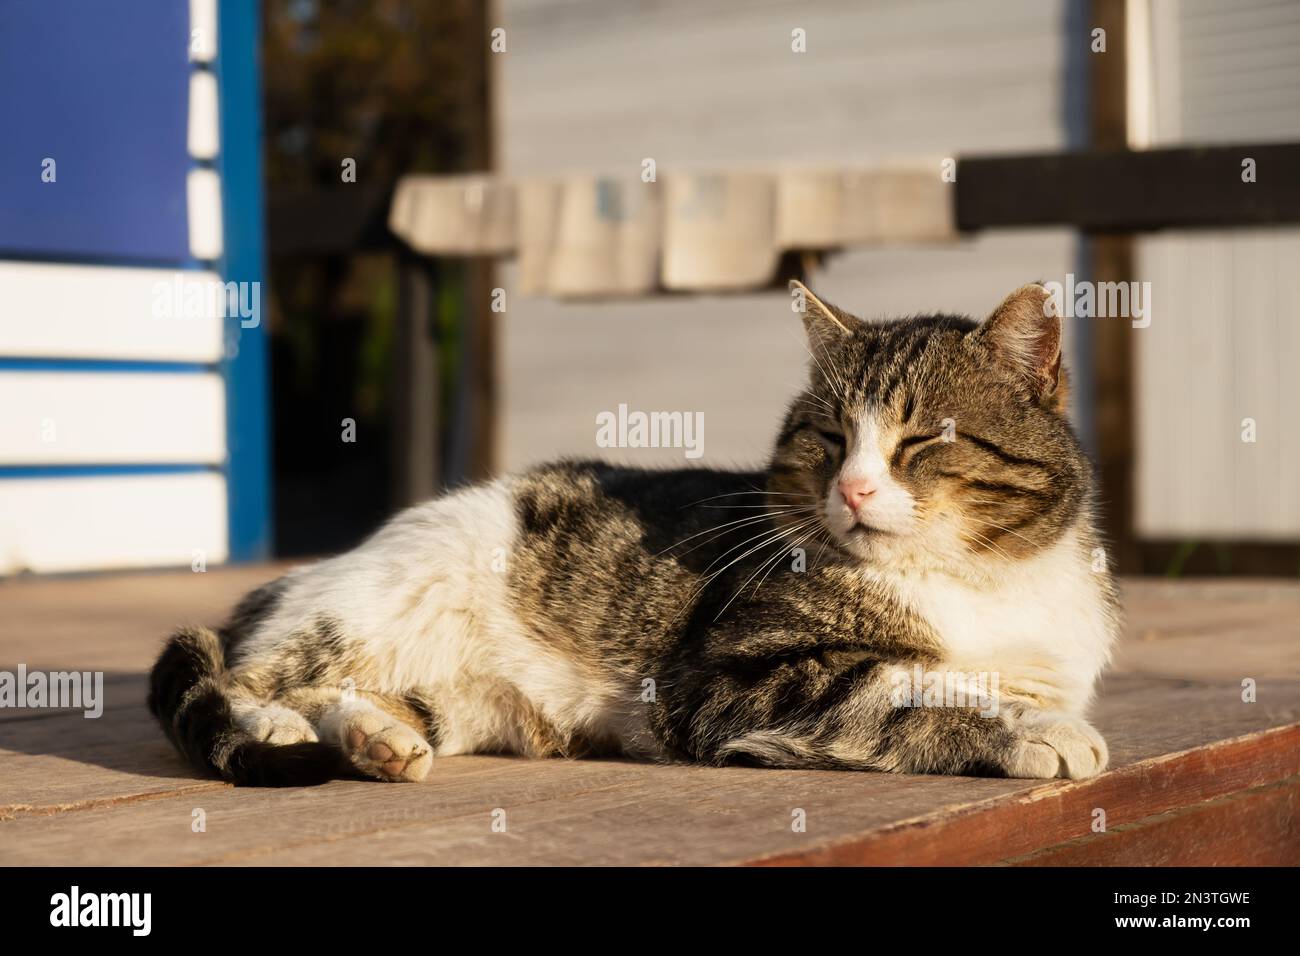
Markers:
<point>931,440</point>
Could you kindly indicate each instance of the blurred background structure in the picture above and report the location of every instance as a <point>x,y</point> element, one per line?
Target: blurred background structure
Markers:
<point>439,388</point>
<point>133,406</point>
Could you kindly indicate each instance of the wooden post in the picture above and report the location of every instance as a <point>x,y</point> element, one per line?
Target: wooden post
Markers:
<point>1111,258</point>
<point>415,444</point>
<point>480,366</point>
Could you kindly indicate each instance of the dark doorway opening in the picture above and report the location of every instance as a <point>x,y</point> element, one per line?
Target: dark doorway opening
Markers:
<point>356,95</point>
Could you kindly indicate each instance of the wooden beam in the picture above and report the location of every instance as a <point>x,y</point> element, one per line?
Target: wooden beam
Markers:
<point>1115,190</point>
<point>1053,815</point>
<point>340,221</point>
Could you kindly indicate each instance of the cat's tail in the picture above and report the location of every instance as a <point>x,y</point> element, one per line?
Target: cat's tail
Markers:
<point>188,695</point>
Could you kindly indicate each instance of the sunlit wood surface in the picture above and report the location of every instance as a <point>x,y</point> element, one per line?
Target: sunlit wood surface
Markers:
<point>1198,775</point>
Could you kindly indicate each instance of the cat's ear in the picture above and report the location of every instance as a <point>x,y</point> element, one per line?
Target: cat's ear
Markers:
<point>824,323</point>
<point>1024,334</point>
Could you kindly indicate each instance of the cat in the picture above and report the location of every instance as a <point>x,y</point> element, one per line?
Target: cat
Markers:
<point>926,513</point>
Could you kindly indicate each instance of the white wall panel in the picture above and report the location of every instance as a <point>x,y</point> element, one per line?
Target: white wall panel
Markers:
<point>1223,346</point>
<point>203,199</point>
<point>50,418</point>
<point>204,134</point>
<point>594,86</point>
<point>103,522</point>
<point>1224,341</point>
<point>106,312</point>
<point>203,30</point>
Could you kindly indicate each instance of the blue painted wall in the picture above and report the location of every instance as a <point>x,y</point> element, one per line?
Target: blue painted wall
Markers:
<point>247,388</point>
<point>102,89</point>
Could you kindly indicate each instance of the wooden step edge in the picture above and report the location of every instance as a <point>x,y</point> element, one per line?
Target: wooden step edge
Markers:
<point>1252,828</point>
<point>1063,811</point>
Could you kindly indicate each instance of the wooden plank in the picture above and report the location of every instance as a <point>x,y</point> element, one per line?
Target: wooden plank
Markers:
<point>110,791</point>
<point>1124,191</point>
<point>99,418</point>
<point>51,525</point>
<point>114,622</point>
<point>60,762</point>
<point>108,312</point>
<point>470,215</point>
<point>1057,812</point>
<point>349,219</point>
<point>619,812</point>
<point>203,136</point>
<point>203,205</point>
<point>1254,828</point>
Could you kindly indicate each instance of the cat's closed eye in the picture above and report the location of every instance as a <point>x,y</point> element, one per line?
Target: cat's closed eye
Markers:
<point>834,439</point>
<point>911,441</point>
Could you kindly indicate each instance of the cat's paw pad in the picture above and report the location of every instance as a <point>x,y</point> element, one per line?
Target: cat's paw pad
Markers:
<point>274,724</point>
<point>380,747</point>
<point>1065,748</point>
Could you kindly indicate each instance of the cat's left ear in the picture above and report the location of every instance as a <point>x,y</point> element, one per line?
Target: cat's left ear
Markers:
<point>824,323</point>
<point>1024,334</point>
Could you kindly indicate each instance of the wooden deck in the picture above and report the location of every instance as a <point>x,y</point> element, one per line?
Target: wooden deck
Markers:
<point>1199,776</point>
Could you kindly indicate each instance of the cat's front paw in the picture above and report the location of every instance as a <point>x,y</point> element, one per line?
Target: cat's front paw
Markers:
<point>382,747</point>
<point>1048,747</point>
<point>273,724</point>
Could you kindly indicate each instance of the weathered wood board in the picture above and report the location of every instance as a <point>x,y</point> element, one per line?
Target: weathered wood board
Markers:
<point>1199,775</point>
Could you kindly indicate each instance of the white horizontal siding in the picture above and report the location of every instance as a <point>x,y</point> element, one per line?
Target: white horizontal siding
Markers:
<point>590,85</point>
<point>738,359</point>
<point>203,201</point>
<point>203,30</point>
<point>593,86</point>
<point>1224,339</point>
<point>104,522</point>
<point>104,312</point>
<point>1222,347</point>
<point>1240,65</point>
<point>204,135</point>
<point>61,418</point>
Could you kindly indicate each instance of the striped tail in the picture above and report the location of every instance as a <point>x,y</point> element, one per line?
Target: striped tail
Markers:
<point>188,696</point>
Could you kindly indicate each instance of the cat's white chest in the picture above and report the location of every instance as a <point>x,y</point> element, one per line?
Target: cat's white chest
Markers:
<point>1043,628</point>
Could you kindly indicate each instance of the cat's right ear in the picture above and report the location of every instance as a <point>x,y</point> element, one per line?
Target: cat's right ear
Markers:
<point>1024,334</point>
<point>824,323</point>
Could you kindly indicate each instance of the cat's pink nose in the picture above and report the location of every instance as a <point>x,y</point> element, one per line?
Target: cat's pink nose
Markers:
<point>855,491</point>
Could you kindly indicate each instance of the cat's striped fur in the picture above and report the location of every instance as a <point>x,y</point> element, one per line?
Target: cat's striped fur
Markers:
<point>705,615</point>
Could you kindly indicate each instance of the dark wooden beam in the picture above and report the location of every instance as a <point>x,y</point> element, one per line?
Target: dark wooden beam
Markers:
<point>340,221</point>
<point>1116,190</point>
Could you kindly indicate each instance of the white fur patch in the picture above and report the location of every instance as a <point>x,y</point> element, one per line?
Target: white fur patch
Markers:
<point>891,508</point>
<point>428,597</point>
<point>1041,624</point>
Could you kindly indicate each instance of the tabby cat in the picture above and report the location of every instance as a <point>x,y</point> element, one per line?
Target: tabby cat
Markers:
<point>926,514</point>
